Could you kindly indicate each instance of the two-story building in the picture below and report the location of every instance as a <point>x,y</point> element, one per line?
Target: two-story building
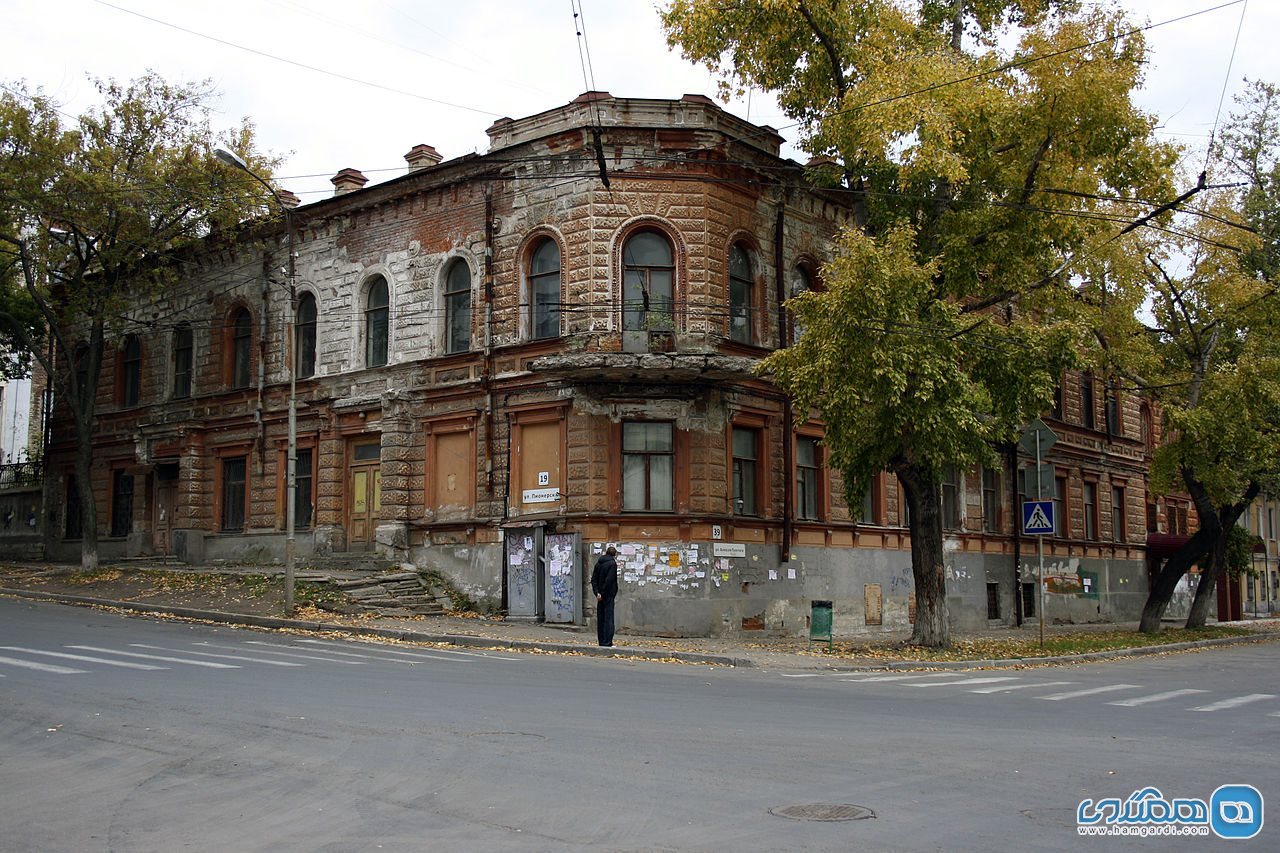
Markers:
<point>559,336</point>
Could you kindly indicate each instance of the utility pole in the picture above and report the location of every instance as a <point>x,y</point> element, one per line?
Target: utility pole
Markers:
<point>232,159</point>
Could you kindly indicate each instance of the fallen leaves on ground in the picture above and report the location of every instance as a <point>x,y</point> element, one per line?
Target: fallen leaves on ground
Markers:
<point>1013,648</point>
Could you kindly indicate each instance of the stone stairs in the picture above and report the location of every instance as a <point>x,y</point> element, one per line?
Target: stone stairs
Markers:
<point>395,593</point>
<point>389,589</point>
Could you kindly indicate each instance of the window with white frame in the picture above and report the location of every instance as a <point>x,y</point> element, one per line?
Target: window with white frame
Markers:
<point>377,322</point>
<point>304,333</point>
<point>457,307</point>
<point>648,282</point>
<point>745,449</point>
<point>741,295</point>
<point>544,290</point>
<point>648,466</point>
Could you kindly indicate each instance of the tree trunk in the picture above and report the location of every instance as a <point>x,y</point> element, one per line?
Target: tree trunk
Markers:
<point>1186,557</point>
<point>1167,581</point>
<point>83,399</point>
<point>1209,575</point>
<point>933,627</point>
<point>1227,517</point>
<point>88,504</point>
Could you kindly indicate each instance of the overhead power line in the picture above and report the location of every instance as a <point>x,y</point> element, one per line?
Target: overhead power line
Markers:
<point>297,64</point>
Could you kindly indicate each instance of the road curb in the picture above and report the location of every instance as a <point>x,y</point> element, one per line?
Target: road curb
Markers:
<point>1083,657</point>
<point>473,641</point>
<point>464,640</point>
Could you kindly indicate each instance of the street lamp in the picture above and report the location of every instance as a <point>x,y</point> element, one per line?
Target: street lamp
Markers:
<point>232,159</point>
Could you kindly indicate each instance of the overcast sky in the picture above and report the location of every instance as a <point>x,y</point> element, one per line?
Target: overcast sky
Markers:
<point>440,72</point>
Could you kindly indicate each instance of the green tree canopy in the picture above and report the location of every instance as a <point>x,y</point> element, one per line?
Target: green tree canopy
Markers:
<point>983,144</point>
<point>92,212</point>
<point>1206,343</point>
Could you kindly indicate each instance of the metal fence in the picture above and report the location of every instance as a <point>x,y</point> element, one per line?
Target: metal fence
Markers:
<point>20,474</point>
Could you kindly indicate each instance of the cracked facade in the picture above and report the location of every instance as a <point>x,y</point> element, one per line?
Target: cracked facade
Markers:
<point>501,343</point>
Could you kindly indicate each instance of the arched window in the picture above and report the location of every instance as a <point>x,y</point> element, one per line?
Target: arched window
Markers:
<point>241,348</point>
<point>457,307</point>
<point>183,347</point>
<point>544,290</point>
<point>376,315</point>
<point>129,384</point>
<point>304,330</point>
<point>648,282</point>
<point>741,295</point>
<point>801,282</point>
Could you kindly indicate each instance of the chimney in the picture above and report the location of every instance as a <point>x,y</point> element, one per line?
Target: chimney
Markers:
<point>287,198</point>
<point>348,180</point>
<point>422,157</point>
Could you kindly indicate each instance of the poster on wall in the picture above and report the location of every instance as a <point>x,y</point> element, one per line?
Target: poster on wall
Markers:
<point>562,603</point>
<point>522,551</point>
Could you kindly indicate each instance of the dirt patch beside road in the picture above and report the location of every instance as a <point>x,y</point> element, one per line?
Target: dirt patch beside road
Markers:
<point>230,592</point>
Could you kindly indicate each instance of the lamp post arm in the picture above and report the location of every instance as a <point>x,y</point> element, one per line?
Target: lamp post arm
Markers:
<point>235,161</point>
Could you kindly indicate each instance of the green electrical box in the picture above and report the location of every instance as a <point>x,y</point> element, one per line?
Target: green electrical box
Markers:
<point>820,622</point>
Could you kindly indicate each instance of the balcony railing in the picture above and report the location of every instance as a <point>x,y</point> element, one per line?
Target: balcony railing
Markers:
<point>20,474</point>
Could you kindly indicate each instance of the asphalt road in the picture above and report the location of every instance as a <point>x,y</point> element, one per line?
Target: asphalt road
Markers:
<point>125,734</point>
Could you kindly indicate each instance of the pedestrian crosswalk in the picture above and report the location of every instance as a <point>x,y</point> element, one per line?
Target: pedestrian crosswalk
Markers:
<point>995,683</point>
<point>81,658</point>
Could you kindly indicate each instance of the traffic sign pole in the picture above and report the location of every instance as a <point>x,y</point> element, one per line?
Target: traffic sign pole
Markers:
<point>1040,541</point>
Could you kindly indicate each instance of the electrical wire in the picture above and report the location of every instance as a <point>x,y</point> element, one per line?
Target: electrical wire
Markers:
<point>1226,80</point>
<point>298,64</point>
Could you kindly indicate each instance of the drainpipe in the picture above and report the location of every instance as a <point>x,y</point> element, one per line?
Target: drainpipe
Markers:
<point>263,329</point>
<point>788,419</point>
<point>487,369</point>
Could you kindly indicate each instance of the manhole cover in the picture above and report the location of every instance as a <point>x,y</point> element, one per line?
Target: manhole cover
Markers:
<point>824,811</point>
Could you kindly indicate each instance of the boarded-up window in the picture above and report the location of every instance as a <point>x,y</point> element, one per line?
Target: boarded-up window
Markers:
<point>540,481</point>
<point>453,465</point>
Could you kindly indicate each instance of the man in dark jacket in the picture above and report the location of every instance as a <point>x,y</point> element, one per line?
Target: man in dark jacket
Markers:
<point>604,583</point>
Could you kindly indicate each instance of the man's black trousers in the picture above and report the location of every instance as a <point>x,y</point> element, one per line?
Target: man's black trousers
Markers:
<point>604,621</point>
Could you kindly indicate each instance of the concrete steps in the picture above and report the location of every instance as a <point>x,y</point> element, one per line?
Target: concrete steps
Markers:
<point>385,589</point>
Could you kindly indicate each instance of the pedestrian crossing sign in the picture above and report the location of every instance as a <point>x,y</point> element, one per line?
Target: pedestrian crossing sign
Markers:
<point>1037,518</point>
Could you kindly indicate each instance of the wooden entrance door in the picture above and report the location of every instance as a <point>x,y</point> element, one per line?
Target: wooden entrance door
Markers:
<point>166,493</point>
<point>364,493</point>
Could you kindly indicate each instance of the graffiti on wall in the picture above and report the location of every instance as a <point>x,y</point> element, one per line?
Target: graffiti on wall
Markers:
<point>560,563</point>
<point>1065,577</point>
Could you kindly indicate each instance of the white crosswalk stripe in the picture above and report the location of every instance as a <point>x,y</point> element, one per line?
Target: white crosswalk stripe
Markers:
<point>1235,702</point>
<point>272,651</point>
<point>911,676</point>
<point>216,655</point>
<point>1158,697</point>
<point>997,684</point>
<point>961,682</point>
<point>87,658</point>
<point>1006,687</point>
<point>365,657</point>
<point>206,663</point>
<point>1075,694</point>
<point>42,667</point>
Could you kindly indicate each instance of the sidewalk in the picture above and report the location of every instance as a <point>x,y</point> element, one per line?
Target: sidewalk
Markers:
<point>762,652</point>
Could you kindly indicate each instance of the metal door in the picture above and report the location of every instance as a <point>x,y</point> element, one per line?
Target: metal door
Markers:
<point>523,556</point>
<point>562,601</point>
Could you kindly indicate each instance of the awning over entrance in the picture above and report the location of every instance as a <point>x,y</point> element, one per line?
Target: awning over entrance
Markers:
<point>1164,545</point>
